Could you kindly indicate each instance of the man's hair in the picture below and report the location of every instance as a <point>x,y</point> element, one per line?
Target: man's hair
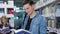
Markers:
<point>30,2</point>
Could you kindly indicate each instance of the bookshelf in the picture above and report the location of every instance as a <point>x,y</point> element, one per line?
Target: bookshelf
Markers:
<point>48,11</point>
<point>58,14</point>
<point>4,7</point>
<point>47,8</point>
<point>43,3</point>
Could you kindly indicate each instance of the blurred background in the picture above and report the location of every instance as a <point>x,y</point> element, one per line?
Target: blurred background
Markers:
<point>15,13</point>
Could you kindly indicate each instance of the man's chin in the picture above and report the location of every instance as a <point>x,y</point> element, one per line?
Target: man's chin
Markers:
<point>28,14</point>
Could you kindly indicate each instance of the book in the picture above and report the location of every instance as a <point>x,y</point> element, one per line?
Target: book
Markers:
<point>1,10</point>
<point>21,31</point>
<point>11,12</point>
<point>1,1</point>
<point>51,23</point>
<point>41,1</point>
<point>40,11</point>
<point>5,30</point>
<point>43,11</point>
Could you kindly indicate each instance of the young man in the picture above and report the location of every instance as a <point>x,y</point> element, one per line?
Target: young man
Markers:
<point>34,23</point>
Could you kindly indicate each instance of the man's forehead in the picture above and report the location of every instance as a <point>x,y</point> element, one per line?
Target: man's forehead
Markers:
<point>27,5</point>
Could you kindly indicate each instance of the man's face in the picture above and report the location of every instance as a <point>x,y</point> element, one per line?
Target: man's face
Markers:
<point>28,8</point>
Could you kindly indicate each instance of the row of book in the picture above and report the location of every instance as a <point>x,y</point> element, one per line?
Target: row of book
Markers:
<point>51,23</point>
<point>42,1</point>
<point>48,11</point>
<point>9,11</point>
<point>10,2</point>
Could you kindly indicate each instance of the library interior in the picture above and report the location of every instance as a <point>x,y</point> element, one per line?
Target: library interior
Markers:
<point>13,12</point>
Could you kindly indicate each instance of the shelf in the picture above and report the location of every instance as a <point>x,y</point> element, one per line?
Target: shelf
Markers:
<point>20,10</point>
<point>44,4</point>
<point>6,6</point>
<point>46,15</point>
<point>7,15</point>
<point>52,29</point>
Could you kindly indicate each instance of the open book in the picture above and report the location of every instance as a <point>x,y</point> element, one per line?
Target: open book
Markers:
<point>5,30</point>
<point>21,31</point>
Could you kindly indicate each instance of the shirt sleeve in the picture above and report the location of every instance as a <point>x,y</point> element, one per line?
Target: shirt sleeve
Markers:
<point>43,26</point>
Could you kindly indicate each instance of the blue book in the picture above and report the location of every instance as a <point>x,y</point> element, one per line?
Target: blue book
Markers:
<point>22,31</point>
<point>40,11</point>
<point>1,10</point>
<point>5,30</point>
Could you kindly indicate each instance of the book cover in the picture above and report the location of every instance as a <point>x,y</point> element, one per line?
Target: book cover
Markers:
<point>5,30</point>
<point>21,31</point>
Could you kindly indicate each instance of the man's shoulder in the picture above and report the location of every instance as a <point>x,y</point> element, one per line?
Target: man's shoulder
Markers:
<point>40,16</point>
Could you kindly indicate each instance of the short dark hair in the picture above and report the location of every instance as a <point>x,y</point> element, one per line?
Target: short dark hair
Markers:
<point>30,2</point>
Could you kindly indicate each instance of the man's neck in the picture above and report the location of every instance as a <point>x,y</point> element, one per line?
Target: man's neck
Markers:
<point>32,14</point>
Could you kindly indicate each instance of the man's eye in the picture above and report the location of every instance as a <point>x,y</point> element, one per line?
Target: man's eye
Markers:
<point>27,8</point>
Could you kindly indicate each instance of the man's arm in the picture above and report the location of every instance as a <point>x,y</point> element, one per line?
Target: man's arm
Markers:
<point>43,26</point>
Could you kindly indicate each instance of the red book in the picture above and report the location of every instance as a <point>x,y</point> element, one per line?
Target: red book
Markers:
<point>11,12</point>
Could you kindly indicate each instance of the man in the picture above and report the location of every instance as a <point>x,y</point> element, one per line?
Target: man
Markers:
<point>34,23</point>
